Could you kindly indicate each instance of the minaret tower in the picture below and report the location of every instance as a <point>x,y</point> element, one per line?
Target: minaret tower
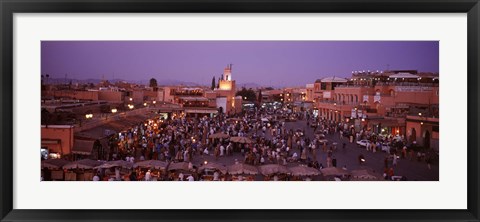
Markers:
<point>227,73</point>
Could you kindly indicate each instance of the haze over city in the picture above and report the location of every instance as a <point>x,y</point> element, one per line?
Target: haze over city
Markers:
<point>266,63</point>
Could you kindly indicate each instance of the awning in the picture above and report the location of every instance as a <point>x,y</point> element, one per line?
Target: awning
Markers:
<point>334,79</point>
<point>83,147</point>
<point>137,119</point>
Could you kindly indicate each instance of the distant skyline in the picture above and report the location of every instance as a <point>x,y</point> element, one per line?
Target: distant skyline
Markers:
<point>267,63</point>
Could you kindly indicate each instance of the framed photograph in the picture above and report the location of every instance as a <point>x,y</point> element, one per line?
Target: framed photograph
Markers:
<point>232,110</point>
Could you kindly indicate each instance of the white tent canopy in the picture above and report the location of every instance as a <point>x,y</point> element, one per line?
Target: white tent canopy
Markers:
<point>404,75</point>
<point>334,79</point>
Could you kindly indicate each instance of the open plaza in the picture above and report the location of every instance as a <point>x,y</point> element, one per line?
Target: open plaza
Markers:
<point>374,125</point>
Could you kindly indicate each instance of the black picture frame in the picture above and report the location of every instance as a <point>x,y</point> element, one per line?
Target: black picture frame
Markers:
<point>9,7</point>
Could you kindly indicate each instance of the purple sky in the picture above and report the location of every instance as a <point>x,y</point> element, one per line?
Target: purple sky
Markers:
<point>269,63</point>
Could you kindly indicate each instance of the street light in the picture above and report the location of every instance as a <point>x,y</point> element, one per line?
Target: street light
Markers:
<point>154,102</point>
<point>144,104</point>
<point>131,99</point>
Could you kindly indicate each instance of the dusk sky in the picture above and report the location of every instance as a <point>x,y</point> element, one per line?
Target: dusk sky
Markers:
<point>268,63</point>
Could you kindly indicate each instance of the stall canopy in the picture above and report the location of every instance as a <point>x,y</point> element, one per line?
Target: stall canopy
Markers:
<point>214,166</point>
<point>111,127</point>
<point>136,119</point>
<point>54,163</point>
<point>83,164</point>
<point>115,163</point>
<point>303,171</point>
<point>181,166</point>
<point>241,168</point>
<point>273,169</point>
<point>82,147</point>
<point>156,164</point>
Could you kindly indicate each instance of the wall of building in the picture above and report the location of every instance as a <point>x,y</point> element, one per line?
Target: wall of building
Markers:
<point>150,94</point>
<point>212,97</point>
<point>138,96</point>
<point>72,94</point>
<point>225,85</point>
<point>421,130</point>
<point>64,133</point>
<point>112,96</point>
<point>309,91</point>
<point>417,97</point>
<point>222,102</point>
<point>164,95</point>
<point>238,104</point>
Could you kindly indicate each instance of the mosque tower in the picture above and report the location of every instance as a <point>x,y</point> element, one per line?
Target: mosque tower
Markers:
<point>227,73</point>
<point>227,83</point>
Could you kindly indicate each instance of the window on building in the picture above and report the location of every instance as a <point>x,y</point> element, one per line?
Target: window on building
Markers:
<point>323,86</point>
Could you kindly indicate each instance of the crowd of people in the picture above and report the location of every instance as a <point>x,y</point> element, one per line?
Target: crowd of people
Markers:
<point>183,139</point>
<point>268,141</point>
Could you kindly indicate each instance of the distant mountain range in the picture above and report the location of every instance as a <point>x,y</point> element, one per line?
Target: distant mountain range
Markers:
<point>96,81</point>
<point>160,82</point>
<point>249,85</point>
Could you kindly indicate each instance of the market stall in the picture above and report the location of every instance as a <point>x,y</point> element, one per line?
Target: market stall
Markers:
<point>209,169</point>
<point>81,170</point>
<point>303,171</point>
<point>117,169</point>
<point>181,170</point>
<point>274,172</point>
<point>157,169</point>
<point>52,169</point>
<point>242,171</point>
